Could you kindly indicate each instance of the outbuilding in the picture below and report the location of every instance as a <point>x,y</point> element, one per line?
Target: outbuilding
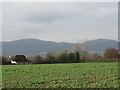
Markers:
<point>19,59</point>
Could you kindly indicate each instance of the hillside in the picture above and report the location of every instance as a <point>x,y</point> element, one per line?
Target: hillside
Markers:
<point>35,46</point>
<point>99,45</point>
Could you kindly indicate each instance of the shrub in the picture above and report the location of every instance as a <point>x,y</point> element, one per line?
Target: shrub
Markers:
<point>94,56</point>
<point>4,60</point>
<point>50,58</point>
<point>36,59</point>
<point>63,56</point>
<point>77,57</point>
<point>71,57</point>
<point>111,53</point>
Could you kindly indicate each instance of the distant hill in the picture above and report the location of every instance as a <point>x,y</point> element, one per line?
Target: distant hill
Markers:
<point>99,45</point>
<point>35,46</point>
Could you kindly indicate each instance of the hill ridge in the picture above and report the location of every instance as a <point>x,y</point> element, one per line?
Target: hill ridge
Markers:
<point>32,46</point>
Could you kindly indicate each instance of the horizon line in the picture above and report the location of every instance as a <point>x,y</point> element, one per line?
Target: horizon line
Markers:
<point>57,41</point>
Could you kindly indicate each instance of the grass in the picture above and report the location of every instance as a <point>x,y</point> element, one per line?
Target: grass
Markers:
<point>0,76</point>
<point>72,75</point>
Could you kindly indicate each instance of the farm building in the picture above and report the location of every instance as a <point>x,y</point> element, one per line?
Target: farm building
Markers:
<point>19,59</point>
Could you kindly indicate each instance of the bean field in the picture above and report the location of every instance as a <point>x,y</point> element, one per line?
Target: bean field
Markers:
<point>70,75</point>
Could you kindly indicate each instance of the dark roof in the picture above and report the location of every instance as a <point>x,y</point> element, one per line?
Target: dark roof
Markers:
<point>18,58</point>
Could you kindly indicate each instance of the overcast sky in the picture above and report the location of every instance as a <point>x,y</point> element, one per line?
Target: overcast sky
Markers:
<point>68,22</point>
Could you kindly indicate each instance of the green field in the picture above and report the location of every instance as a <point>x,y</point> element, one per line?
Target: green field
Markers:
<point>72,75</point>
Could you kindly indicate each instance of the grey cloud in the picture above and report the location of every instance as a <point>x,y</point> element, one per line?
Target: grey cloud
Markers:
<point>60,21</point>
<point>48,18</point>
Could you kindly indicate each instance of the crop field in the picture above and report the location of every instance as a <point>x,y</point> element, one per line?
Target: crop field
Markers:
<point>70,75</point>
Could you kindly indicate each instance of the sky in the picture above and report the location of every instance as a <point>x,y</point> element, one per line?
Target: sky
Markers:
<point>59,21</point>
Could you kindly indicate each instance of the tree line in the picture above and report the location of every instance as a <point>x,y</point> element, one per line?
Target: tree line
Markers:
<point>77,55</point>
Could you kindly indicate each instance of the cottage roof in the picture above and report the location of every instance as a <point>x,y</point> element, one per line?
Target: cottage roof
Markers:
<point>18,58</point>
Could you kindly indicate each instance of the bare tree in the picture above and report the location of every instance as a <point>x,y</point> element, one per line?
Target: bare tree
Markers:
<point>85,51</point>
<point>77,48</point>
